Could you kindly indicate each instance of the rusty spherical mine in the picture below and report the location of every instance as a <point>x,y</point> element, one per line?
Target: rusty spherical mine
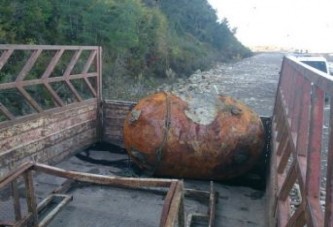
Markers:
<point>193,135</point>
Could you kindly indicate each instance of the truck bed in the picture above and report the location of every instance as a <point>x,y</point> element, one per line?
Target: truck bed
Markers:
<point>94,205</point>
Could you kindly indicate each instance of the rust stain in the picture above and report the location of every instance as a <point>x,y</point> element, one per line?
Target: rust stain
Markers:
<point>207,137</point>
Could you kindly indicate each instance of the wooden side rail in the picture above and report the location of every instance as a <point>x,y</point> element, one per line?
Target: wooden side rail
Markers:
<point>298,122</point>
<point>172,214</point>
<point>72,68</point>
<point>49,102</point>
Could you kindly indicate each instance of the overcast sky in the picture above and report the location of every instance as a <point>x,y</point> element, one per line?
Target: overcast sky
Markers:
<point>302,24</point>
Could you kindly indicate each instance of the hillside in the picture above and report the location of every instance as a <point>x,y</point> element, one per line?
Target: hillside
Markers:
<point>143,42</point>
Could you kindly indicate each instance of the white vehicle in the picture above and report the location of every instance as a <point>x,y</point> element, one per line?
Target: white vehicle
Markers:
<point>330,67</point>
<point>319,63</point>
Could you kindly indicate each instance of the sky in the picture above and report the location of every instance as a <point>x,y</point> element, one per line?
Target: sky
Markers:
<point>298,24</point>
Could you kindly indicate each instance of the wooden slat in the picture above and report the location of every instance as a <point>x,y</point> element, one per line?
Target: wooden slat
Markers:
<point>176,211</point>
<point>73,90</point>
<point>4,57</point>
<point>6,112</point>
<point>53,63</point>
<point>31,199</point>
<point>89,61</point>
<point>14,174</point>
<point>29,64</point>
<point>288,182</point>
<point>45,47</point>
<point>54,94</point>
<point>16,197</point>
<point>72,63</point>
<point>92,90</point>
<point>286,151</point>
<point>315,139</point>
<point>298,218</point>
<point>304,123</point>
<point>283,213</point>
<point>167,204</point>
<point>329,173</point>
<point>47,80</point>
<point>313,213</point>
<point>128,182</point>
<point>29,99</point>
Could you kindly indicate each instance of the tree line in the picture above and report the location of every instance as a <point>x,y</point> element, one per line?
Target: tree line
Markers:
<point>147,38</point>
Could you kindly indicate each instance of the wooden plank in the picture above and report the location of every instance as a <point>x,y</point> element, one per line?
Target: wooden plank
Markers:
<point>45,47</point>
<point>99,88</point>
<point>90,59</point>
<point>29,99</point>
<point>4,57</point>
<point>288,182</point>
<point>329,173</point>
<point>283,214</point>
<point>21,134</point>
<point>24,221</point>
<point>54,158</point>
<point>53,63</point>
<point>127,182</point>
<point>8,129</point>
<point>296,103</point>
<point>304,122</point>
<point>298,218</point>
<point>58,140</point>
<point>176,215</point>
<point>212,206</point>
<point>286,152</point>
<point>14,174</point>
<point>167,204</point>
<point>68,146</point>
<point>92,90</point>
<point>54,95</point>
<point>31,199</point>
<point>72,63</point>
<point>16,197</point>
<point>314,213</point>
<point>6,112</point>
<point>29,64</point>
<point>314,149</point>
<point>51,215</point>
<point>73,90</point>
<point>46,80</point>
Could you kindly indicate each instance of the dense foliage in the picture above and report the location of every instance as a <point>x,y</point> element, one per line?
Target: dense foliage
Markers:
<point>140,38</point>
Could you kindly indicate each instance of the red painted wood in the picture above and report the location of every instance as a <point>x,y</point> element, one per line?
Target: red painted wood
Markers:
<point>329,182</point>
<point>298,118</point>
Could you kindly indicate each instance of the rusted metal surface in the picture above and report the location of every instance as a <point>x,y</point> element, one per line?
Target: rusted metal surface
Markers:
<point>200,136</point>
<point>172,212</point>
<point>297,146</point>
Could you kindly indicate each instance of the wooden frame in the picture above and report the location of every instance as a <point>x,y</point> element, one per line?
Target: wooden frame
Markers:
<point>172,211</point>
<point>297,139</point>
<point>20,83</point>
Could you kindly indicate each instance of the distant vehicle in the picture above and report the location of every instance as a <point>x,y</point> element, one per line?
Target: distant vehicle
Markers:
<point>319,63</point>
<point>330,68</point>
